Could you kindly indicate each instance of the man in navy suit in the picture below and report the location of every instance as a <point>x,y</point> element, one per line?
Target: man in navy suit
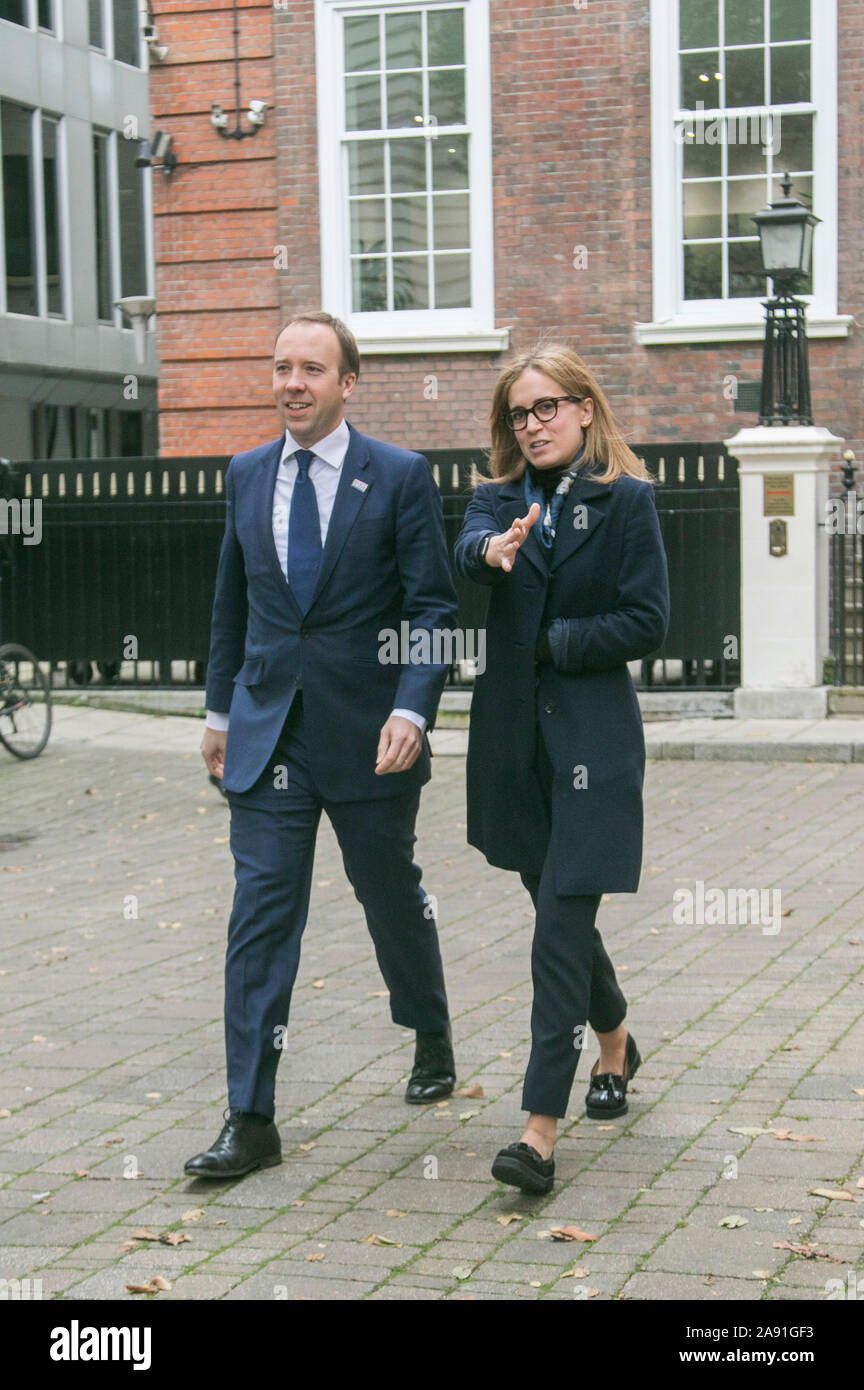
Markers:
<point>331,539</point>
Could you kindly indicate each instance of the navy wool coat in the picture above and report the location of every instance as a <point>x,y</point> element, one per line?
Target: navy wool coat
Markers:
<point>603,593</point>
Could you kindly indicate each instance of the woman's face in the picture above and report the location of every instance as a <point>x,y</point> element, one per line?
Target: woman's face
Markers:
<point>549,443</point>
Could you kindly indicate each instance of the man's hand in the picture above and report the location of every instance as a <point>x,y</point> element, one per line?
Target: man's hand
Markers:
<point>501,550</point>
<point>398,746</point>
<point>213,750</point>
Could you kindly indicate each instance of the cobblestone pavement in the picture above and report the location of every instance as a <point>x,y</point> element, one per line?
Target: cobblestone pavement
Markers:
<point>111,1052</point>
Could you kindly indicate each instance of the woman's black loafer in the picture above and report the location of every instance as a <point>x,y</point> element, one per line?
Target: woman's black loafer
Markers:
<point>607,1092</point>
<point>521,1166</point>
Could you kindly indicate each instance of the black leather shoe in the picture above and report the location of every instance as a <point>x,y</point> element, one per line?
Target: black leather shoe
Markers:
<point>607,1091</point>
<point>522,1166</point>
<point>434,1074</point>
<point>242,1146</point>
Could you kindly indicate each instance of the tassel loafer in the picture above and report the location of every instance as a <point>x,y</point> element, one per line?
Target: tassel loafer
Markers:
<point>242,1146</point>
<point>434,1073</point>
<point>522,1166</point>
<point>607,1091</point>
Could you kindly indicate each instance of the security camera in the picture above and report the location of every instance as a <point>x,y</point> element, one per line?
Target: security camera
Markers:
<point>257,111</point>
<point>218,119</point>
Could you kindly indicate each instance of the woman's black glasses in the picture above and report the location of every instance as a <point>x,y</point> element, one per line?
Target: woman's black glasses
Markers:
<point>545,409</point>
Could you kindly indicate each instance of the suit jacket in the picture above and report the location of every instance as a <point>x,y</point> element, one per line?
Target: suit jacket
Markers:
<point>603,592</point>
<point>384,561</point>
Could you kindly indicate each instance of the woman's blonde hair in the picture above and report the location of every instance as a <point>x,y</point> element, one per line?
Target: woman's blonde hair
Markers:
<point>604,442</point>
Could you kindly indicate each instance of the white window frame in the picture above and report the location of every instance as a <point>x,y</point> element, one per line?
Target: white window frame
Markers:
<point>736,320</point>
<point>31,10</point>
<point>35,114</point>
<point>107,8</point>
<point>417,330</point>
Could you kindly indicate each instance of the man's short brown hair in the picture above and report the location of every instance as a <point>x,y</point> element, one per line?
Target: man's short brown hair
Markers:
<point>350,360</point>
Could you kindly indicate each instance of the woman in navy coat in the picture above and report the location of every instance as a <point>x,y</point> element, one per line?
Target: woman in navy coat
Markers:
<point>566,536</point>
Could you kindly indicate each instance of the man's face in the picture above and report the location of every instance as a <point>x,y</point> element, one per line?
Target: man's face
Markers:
<point>307,387</point>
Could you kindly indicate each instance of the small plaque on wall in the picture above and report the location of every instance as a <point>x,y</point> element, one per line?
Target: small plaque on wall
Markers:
<point>778,497</point>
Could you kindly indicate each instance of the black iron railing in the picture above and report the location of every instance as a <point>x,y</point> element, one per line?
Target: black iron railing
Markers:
<point>120,584</point>
<point>845,526</point>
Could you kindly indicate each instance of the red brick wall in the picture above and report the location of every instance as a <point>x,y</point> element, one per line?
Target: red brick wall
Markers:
<point>215,230</point>
<point>571,166</point>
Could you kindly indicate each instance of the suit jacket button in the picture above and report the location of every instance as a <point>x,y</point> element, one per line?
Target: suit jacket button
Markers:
<point>305,634</point>
<point>549,707</point>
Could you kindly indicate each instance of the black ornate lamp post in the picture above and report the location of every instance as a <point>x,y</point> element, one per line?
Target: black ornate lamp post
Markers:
<point>786,238</point>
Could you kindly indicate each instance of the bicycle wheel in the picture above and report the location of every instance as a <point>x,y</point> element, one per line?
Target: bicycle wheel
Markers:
<point>25,702</point>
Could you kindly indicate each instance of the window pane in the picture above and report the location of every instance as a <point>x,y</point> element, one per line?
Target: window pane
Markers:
<point>408,217</point>
<point>450,162</point>
<point>51,196</point>
<point>97,28</point>
<point>126,31</point>
<point>405,99</point>
<point>133,258</point>
<point>745,270</point>
<point>790,19</point>
<point>793,142</point>
<point>745,77</point>
<point>366,166</point>
<point>699,26</point>
<point>104,295</point>
<point>446,37</point>
<point>702,150</point>
<point>362,43</point>
<point>748,138</point>
<point>450,212</point>
<point>703,209</point>
<point>452,282</point>
<point>368,227</point>
<point>802,189</point>
<point>369,282</point>
<point>790,73</point>
<point>45,15</point>
<point>745,21</point>
<point>404,38</point>
<point>699,81</point>
<point>744,197</point>
<point>447,96</point>
<point>362,103</point>
<point>411,282</point>
<point>13,10</point>
<point>703,273</point>
<point>18,219</point>
<point>408,165</point>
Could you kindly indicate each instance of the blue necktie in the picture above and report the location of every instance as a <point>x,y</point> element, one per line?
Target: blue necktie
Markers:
<point>304,533</point>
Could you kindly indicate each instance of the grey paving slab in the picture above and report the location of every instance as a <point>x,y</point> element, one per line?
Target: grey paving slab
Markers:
<point>737,1029</point>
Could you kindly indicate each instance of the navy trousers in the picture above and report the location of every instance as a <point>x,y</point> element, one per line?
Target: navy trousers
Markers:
<point>574,979</point>
<point>273,830</point>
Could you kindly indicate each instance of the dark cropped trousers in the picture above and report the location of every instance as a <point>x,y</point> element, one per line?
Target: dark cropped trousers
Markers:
<point>574,979</point>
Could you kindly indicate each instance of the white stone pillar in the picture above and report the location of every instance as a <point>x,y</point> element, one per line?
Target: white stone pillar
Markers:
<point>784,474</point>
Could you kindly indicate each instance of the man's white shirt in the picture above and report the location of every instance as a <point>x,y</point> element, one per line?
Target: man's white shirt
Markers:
<point>325,470</point>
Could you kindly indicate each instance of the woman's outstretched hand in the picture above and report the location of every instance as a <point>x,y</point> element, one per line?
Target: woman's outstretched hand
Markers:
<point>501,550</point>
